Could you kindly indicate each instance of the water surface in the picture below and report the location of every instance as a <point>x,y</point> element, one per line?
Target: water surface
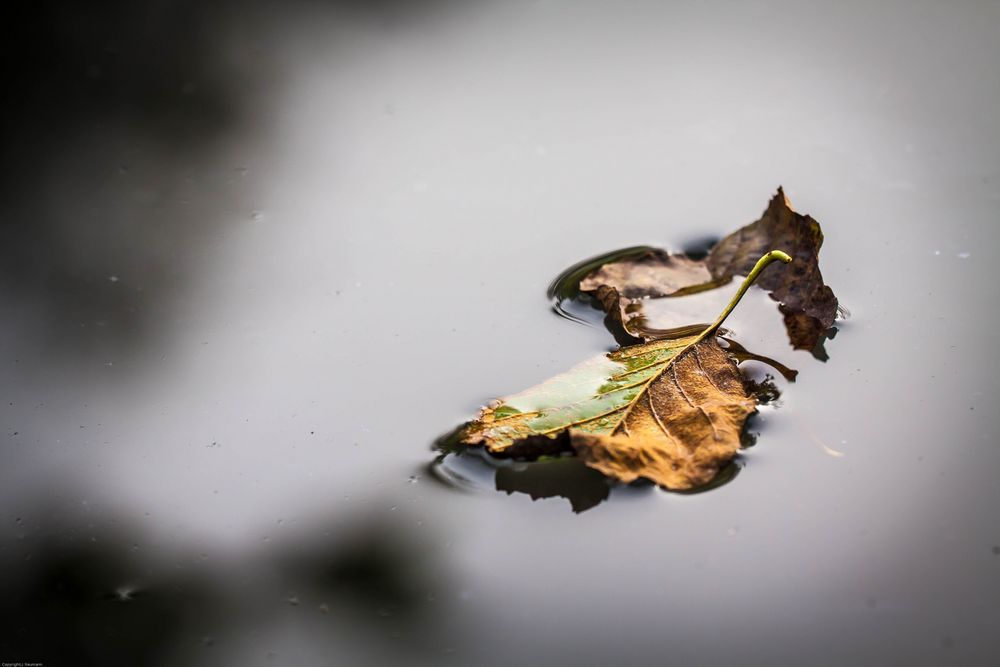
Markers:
<point>225,360</point>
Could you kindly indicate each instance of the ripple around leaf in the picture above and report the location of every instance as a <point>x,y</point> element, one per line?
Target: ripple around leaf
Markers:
<point>553,477</point>
<point>564,291</point>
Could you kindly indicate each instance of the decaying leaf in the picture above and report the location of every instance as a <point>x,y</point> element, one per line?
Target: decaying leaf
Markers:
<point>808,305</point>
<point>670,410</point>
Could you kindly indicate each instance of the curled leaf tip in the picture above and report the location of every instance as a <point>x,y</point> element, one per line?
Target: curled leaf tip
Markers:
<point>778,254</point>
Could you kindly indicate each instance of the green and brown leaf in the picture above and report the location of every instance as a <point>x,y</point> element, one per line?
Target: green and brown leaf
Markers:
<point>669,410</point>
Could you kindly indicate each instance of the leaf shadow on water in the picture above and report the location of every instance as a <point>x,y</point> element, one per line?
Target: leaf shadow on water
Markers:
<point>567,477</point>
<point>819,352</point>
<point>562,477</point>
<point>475,471</point>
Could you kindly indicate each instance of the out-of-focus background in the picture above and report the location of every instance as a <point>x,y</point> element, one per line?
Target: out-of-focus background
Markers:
<point>255,257</point>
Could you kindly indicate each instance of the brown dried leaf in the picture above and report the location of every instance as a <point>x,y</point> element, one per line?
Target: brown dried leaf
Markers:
<point>808,305</point>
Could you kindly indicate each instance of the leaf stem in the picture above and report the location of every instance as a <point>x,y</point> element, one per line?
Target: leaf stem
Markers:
<point>761,264</point>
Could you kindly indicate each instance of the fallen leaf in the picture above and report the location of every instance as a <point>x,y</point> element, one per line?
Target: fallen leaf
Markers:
<point>670,410</point>
<point>807,304</point>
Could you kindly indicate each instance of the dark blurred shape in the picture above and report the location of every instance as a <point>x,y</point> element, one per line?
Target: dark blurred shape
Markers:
<point>376,579</point>
<point>377,571</point>
<point>105,105</point>
<point>69,602</point>
<point>70,68</point>
<point>92,598</point>
<point>112,115</point>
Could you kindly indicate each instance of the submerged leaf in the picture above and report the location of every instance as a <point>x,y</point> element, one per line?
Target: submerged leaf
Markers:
<point>670,410</point>
<point>620,287</point>
<point>808,305</point>
<point>653,273</point>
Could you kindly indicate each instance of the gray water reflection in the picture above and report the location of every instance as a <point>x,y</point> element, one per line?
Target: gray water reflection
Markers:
<point>419,177</point>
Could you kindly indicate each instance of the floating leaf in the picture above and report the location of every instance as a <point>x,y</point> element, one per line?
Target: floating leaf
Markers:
<point>670,410</point>
<point>808,305</point>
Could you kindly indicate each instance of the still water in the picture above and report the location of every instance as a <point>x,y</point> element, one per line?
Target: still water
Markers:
<point>232,332</point>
